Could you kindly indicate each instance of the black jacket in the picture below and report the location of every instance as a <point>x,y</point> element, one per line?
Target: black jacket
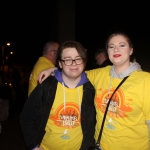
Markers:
<point>36,111</point>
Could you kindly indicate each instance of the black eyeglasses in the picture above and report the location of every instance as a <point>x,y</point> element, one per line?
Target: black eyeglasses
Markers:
<point>69,62</point>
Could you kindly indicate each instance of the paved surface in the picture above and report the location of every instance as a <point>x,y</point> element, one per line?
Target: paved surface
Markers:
<point>11,136</point>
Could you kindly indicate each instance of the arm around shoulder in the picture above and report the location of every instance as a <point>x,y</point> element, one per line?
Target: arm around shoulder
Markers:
<point>44,74</point>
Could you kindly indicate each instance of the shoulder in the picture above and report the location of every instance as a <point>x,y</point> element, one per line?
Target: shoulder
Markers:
<point>43,60</point>
<point>49,80</point>
<point>99,70</point>
<point>142,74</point>
<point>42,64</point>
<point>88,85</point>
<point>141,77</point>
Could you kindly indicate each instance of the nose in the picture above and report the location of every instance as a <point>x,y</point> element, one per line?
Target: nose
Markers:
<point>116,48</point>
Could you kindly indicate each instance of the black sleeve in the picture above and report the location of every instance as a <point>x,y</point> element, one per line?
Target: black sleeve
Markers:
<point>30,115</point>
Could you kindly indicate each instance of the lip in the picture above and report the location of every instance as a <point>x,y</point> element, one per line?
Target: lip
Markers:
<point>116,55</point>
<point>74,69</point>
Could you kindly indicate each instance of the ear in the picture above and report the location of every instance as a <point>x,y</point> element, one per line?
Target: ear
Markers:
<point>60,65</point>
<point>131,51</point>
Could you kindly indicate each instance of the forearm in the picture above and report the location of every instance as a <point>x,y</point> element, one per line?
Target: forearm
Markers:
<point>45,73</point>
<point>49,71</point>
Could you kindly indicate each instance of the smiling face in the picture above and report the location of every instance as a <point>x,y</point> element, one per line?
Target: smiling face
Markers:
<point>119,51</point>
<point>74,70</point>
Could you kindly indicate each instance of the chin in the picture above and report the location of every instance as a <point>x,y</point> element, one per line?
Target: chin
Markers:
<point>74,75</point>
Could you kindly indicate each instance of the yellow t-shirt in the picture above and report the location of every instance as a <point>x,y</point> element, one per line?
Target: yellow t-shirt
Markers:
<point>42,64</point>
<point>63,128</point>
<point>125,126</point>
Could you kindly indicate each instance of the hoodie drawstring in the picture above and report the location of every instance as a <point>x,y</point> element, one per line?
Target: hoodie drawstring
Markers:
<point>64,93</point>
<point>64,97</point>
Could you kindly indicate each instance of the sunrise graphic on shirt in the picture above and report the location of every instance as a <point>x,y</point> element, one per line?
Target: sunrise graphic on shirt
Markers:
<point>117,107</point>
<point>67,116</point>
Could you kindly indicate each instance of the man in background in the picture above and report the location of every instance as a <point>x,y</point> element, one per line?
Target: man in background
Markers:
<point>101,58</point>
<point>47,60</point>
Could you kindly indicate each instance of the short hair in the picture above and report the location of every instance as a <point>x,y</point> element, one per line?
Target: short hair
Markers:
<point>102,50</point>
<point>73,44</point>
<point>47,45</point>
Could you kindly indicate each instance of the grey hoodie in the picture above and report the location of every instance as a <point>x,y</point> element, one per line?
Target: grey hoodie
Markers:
<point>133,67</point>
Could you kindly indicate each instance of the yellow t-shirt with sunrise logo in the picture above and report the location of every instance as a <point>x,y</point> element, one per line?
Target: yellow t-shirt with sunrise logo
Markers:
<point>125,126</point>
<point>63,128</point>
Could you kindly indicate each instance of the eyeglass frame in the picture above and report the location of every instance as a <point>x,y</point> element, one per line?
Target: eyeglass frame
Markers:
<point>73,60</point>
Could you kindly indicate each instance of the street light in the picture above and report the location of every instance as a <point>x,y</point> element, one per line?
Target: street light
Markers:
<point>8,44</point>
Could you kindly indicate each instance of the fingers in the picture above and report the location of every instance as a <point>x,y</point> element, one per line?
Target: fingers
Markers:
<point>40,77</point>
<point>44,74</point>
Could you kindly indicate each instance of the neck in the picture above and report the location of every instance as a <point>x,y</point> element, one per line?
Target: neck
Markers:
<point>119,69</point>
<point>71,82</point>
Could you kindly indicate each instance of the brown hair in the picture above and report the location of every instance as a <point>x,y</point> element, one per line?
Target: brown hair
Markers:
<point>122,34</point>
<point>73,44</point>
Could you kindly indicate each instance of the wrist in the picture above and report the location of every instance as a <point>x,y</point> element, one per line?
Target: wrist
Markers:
<point>53,72</point>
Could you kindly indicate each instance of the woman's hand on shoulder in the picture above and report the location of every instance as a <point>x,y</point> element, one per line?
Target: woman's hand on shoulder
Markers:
<point>44,74</point>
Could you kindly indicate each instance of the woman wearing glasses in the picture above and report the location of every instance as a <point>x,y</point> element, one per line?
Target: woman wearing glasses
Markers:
<point>60,114</point>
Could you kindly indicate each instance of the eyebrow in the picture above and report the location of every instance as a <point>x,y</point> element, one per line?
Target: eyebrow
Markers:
<point>119,43</point>
<point>122,42</point>
<point>71,57</point>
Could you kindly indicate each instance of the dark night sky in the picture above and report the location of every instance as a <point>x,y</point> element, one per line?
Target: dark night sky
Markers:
<point>99,20</point>
<point>29,25</point>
